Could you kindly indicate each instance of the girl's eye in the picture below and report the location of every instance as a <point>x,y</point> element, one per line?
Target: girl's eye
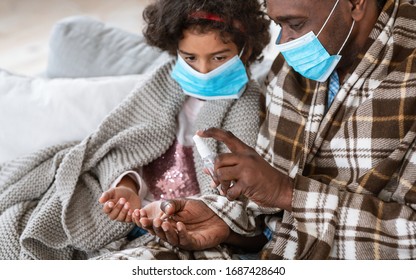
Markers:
<point>219,58</point>
<point>190,58</point>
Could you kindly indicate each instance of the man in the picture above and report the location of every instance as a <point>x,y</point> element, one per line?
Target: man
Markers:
<point>336,156</point>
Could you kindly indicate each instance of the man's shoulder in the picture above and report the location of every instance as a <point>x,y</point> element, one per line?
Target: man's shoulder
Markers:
<point>277,64</point>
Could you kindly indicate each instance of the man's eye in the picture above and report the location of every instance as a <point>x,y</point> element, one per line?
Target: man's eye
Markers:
<point>296,26</point>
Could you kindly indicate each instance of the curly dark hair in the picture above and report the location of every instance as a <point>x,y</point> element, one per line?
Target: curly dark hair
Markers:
<point>167,19</point>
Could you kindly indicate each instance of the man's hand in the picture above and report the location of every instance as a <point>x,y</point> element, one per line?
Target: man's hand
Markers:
<point>244,172</point>
<point>188,224</point>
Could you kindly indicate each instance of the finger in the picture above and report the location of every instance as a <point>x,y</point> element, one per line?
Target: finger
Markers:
<point>117,209</point>
<point>235,191</point>
<point>108,207</point>
<point>227,137</point>
<point>226,174</point>
<point>107,195</point>
<point>224,186</point>
<point>143,221</point>
<point>170,233</point>
<point>129,217</point>
<point>147,224</point>
<point>122,215</point>
<point>185,239</point>
<point>224,189</point>
<point>142,212</point>
<point>140,219</point>
<point>103,198</point>
<point>227,177</point>
<point>135,216</point>
<point>227,159</point>
<point>157,228</point>
<point>170,207</point>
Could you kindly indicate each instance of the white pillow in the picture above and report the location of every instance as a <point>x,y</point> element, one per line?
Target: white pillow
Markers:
<point>36,113</point>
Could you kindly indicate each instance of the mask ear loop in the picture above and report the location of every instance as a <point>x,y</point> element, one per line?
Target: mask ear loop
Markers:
<point>330,14</point>
<point>241,52</point>
<point>346,39</point>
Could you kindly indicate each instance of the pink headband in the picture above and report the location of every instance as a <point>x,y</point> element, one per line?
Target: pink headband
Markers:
<point>206,15</point>
<point>214,17</point>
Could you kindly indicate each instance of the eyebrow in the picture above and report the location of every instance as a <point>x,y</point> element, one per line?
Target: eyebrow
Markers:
<point>215,53</point>
<point>288,18</point>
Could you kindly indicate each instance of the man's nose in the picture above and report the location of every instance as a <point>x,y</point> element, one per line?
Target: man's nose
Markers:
<point>286,35</point>
<point>282,38</point>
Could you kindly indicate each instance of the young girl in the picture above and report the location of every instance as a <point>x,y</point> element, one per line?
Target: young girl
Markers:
<point>213,43</point>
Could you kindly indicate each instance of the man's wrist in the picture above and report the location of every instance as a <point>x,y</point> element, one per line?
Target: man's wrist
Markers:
<point>285,188</point>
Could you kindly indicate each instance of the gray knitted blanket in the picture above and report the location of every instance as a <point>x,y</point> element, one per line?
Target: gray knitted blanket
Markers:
<point>49,200</point>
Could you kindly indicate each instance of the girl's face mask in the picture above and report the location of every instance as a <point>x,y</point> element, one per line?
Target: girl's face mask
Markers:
<point>228,81</point>
<point>307,56</point>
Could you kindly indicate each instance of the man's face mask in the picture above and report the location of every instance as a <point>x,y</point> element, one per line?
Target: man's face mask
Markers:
<point>307,56</point>
<point>227,81</point>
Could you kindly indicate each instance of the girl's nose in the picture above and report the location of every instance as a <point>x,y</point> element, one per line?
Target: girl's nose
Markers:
<point>203,67</point>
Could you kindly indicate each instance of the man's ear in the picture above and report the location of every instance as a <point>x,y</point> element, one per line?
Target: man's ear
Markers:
<point>359,8</point>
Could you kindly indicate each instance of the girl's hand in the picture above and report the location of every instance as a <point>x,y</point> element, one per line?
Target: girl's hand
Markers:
<point>119,202</point>
<point>145,217</point>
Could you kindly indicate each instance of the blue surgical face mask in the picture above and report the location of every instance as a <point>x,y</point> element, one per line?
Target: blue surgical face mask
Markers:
<point>228,81</point>
<point>307,56</point>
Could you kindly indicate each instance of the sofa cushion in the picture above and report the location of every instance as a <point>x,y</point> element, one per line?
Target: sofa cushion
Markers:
<point>81,46</point>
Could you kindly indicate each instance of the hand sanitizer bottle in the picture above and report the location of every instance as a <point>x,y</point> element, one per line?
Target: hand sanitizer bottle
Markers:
<point>207,156</point>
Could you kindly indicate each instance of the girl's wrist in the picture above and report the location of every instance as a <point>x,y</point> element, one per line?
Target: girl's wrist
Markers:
<point>128,182</point>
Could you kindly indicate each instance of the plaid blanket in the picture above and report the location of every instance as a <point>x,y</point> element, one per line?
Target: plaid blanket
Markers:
<point>355,166</point>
